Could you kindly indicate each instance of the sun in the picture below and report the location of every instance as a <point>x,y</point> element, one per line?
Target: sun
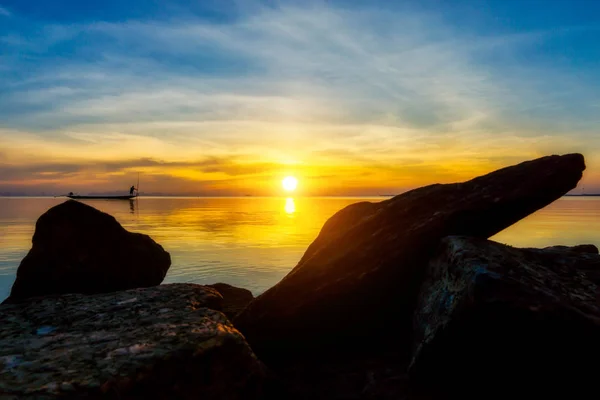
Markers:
<point>289,183</point>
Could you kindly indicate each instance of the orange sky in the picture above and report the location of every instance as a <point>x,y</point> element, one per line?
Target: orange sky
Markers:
<point>368,168</point>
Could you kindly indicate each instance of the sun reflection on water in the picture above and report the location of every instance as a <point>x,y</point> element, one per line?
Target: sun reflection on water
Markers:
<point>290,206</point>
<point>254,242</point>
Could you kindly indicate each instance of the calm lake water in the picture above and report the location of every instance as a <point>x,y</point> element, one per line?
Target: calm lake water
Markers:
<point>254,242</point>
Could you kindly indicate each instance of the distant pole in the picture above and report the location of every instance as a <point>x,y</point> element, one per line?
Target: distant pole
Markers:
<point>138,186</point>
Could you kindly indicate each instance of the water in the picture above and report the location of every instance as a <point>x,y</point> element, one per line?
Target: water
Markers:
<point>254,242</point>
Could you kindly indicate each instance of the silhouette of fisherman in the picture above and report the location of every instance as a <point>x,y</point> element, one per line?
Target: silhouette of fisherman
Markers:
<point>131,190</point>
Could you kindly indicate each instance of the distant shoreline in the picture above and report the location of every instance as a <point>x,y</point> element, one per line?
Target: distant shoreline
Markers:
<point>213,197</point>
<point>253,197</point>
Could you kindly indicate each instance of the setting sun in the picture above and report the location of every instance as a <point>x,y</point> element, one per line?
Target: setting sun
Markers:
<point>289,183</point>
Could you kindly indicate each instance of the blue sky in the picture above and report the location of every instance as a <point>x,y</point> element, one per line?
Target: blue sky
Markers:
<point>216,97</point>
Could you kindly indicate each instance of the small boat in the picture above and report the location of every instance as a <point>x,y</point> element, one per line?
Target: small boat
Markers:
<point>75,197</point>
<point>130,196</point>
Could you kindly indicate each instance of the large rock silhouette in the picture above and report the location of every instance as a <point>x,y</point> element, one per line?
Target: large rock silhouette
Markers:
<point>78,249</point>
<point>164,342</point>
<point>357,284</point>
<point>529,318</point>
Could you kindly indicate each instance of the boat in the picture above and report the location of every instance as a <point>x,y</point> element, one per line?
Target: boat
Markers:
<point>75,197</point>
<point>130,196</point>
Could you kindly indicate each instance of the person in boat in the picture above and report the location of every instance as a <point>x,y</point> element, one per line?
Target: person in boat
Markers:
<point>131,190</point>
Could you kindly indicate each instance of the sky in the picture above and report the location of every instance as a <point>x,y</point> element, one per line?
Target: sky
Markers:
<point>220,97</point>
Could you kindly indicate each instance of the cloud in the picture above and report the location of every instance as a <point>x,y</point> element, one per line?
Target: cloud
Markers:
<point>4,12</point>
<point>303,64</point>
<point>298,65</point>
<point>393,94</point>
<point>207,165</point>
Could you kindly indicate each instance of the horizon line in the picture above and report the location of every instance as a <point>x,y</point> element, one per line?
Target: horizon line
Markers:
<point>254,197</point>
<point>211,196</point>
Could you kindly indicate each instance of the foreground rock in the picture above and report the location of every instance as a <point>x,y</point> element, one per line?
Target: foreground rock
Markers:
<point>581,248</point>
<point>78,249</point>
<point>513,319</point>
<point>234,299</point>
<point>161,342</point>
<point>356,286</point>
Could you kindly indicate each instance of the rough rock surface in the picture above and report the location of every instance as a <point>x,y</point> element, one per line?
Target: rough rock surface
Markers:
<point>161,342</point>
<point>78,249</point>
<point>490,315</point>
<point>357,283</point>
<point>581,248</point>
<point>234,299</point>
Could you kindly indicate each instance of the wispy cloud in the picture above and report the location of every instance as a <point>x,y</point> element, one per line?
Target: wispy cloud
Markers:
<point>317,85</point>
<point>4,12</point>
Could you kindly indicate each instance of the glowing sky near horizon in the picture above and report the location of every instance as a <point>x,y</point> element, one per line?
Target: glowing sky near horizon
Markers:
<point>229,97</point>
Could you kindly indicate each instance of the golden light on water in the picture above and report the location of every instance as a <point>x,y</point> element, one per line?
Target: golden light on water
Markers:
<point>289,183</point>
<point>221,238</point>
<point>290,206</point>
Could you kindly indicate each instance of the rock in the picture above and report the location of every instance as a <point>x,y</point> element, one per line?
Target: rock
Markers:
<point>581,248</point>
<point>379,378</point>
<point>356,286</point>
<point>512,319</point>
<point>161,342</point>
<point>341,222</point>
<point>78,249</point>
<point>234,299</point>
